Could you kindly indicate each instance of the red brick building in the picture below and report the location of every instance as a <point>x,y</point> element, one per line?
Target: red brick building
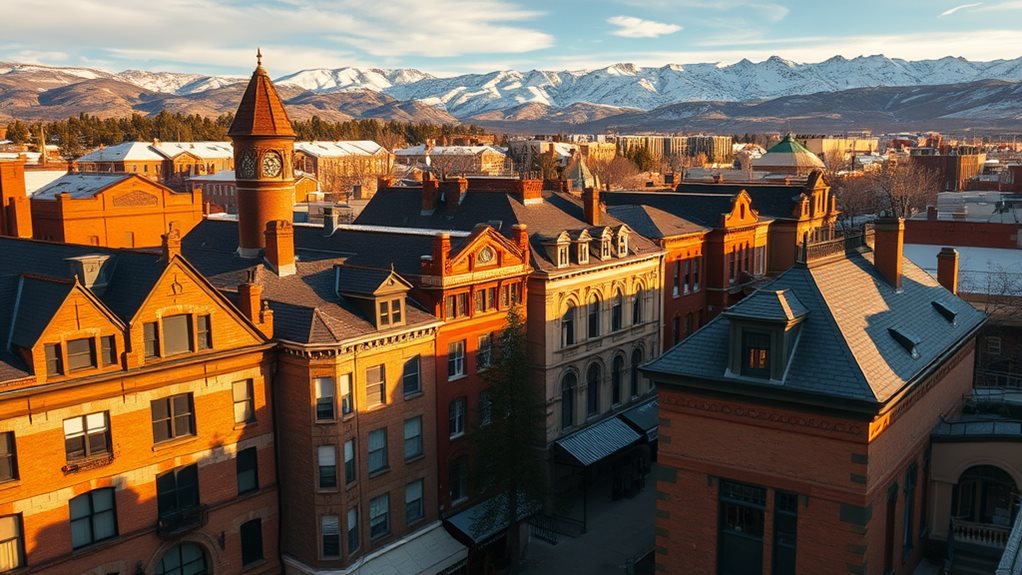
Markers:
<point>795,426</point>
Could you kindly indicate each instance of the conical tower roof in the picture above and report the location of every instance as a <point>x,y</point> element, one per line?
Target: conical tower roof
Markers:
<point>261,113</point>
<point>790,156</point>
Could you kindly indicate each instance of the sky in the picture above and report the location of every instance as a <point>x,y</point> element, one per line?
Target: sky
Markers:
<point>449,37</point>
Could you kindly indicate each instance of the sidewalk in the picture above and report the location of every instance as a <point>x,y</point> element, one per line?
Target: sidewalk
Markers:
<point>617,532</point>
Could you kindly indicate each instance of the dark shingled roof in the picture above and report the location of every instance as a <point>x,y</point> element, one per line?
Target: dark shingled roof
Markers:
<point>769,304</point>
<point>845,350</point>
<point>701,209</point>
<point>37,301</point>
<point>770,200</point>
<point>655,223</point>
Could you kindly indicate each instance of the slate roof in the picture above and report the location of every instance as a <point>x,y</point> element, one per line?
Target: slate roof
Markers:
<point>36,264</point>
<point>340,148</point>
<point>845,350</point>
<point>80,185</point>
<point>776,201</point>
<point>401,207</point>
<point>700,209</point>
<point>125,151</point>
<point>261,112</point>
<point>305,307</point>
<point>655,223</point>
<point>769,304</point>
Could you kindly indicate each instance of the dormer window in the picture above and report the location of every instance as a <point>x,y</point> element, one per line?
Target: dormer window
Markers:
<point>562,256</point>
<point>605,248</point>
<point>622,244</point>
<point>755,354</point>
<point>390,312</point>
<point>583,252</point>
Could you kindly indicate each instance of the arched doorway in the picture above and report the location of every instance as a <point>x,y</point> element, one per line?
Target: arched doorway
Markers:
<point>985,494</point>
<point>184,559</point>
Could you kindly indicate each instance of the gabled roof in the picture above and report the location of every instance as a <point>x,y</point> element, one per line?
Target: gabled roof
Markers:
<point>697,209</point>
<point>261,112</point>
<point>37,301</point>
<point>80,185</point>
<point>770,199</point>
<point>368,282</point>
<point>202,150</point>
<point>340,149</point>
<point>653,222</point>
<point>126,151</point>
<point>769,304</point>
<point>845,351</point>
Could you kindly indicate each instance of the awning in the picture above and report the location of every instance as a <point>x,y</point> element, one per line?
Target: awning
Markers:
<point>644,418</point>
<point>599,441</point>
<point>428,551</point>
<point>470,523</point>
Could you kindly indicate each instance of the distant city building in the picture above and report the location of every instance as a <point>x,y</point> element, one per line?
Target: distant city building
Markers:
<point>840,148</point>
<point>456,160</point>
<point>345,168</point>
<point>788,157</point>
<point>952,167</point>
<point>169,163</point>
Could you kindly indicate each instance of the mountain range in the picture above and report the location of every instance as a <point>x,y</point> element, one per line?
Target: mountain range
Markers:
<point>866,92</point>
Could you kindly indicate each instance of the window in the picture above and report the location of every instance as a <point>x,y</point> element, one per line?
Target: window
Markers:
<point>479,297</point>
<point>689,324</point>
<point>616,309</point>
<point>204,337</point>
<point>410,377</point>
<point>326,459</point>
<point>385,312</point>
<point>108,350</point>
<point>390,312</point>
<point>8,457</point>
<point>456,359</point>
<point>86,436</point>
<point>456,417</point>
<point>379,516</point>
<point>993,345</point>
<point>151,338</point>
<point>376,388</point>
<point>615,379</point>
<point>184,559</point>
<point>247,468</point>
<point>676,329</point>
<point>330,531</point>
<point>93,517</point>
<point>910,496</point>
<point>54,363</point>
<point>516,293</point>
<point>81,353</point>
<point>347,399</point>
<point>485,407</point>
<point>349,462</point>
<point>172,417</point>
<point>458,479</point>
<point>413,437</point>
<point>449,309</point>
<point>568,326</point>
<point>569,387</point>
<point>622,245</point>
<point>377,450</point>
<point>731,262</point>
<point>244,401</point>
<point>785,532</point>
<point>686,285</point>
<point>414,507</point>
<point>593,390</point>
<point>491,298</point>
<point>695,273</point>
<point>594,316</point>
<point>352,529</point>
<point>634,375</point>
<point>637,307</point>
<point>484,354</point>
<point>562,256</point>
<point>12,548</point>
<point>177,490</point>
<point>676,291</point>
<point>756,347</point>
<point>177,334</point>
<point>583,252</point>
<point>740,528</point>
<point>251,541</point>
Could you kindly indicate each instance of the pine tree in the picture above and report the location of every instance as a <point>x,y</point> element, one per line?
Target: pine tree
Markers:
<point>509,441</point>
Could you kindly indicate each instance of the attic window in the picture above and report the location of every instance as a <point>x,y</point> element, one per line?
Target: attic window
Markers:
<point>622,244</point>
<point>605,248</point>
<point>948,313</point>
<point>755,354</point>
<point>562,256</point>
<point>390,312</point>
<point>907,341</point>
<point>583,252</point>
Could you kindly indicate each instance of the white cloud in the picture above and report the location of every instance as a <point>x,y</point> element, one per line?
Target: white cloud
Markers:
<point>632,27</point>
<point>957,8</point>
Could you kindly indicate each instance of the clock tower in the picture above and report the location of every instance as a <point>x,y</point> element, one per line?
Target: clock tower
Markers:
<point>263,151</point>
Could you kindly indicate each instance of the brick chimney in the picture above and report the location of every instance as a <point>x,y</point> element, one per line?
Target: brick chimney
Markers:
<point>253,307</point>
<point>887,250</point>
<point>280,247</point>
<point>931,213</point>
<point>529,191</point>
<point>384,182</point>
<point>171,243</point>
<point>441,249</point>
<point>331,219</point>
<point>15,207</point>
<point>430,195</point>
<point>520,236</point>
<point>947,269</point>
<point>453,191</point>
<point>591,206</point>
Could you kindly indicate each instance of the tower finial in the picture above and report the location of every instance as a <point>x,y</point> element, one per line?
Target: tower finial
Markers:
<point>259,57</point>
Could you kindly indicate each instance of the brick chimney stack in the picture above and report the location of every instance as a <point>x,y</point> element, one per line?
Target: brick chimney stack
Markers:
<point>441,249</point>
<point>454,191</point>
<point>947,269</point>
<point>887,250</point>
<point>171,243</point>
<point>331,219</point>
<point>430,194</point>
<point>15,207</point>
<point>280,247</point>
<point>252,306</point>
<point>591,206</point>
<point>520,236</point>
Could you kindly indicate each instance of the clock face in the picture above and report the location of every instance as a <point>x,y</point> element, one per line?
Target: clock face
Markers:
<point>246,168</point>
<point>486,255</point>
<point>272,164</point>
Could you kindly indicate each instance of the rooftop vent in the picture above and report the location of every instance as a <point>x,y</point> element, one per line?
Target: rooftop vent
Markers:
<point>92,270</point>
<point>948,313</point>
<point>906,340</point>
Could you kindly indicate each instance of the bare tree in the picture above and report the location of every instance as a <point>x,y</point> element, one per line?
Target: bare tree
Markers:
<point>896,189</point>
<point>616,173</point>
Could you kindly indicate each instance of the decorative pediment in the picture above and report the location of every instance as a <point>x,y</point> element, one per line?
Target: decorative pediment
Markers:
<point>742,213</point>
<point>135,198</point>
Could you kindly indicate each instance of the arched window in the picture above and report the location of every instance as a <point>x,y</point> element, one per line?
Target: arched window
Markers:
<point>616,373</point>
<point>184,559</point>
<point>986,494</point>
<point>594,316</point>
<point>568,326</point>
<point>593,387</point>
<point>636,361</point>
<point>637,307</point>
<point>616,310</point>
<point>569,386</point>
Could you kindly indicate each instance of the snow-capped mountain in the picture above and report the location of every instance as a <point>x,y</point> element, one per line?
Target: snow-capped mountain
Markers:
<point>175,83</point>
<point>321,80</point>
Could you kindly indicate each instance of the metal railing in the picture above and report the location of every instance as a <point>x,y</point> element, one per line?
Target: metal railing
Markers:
<point>1011,559</point>
<point>827,242</point>
<point>177,522</point>
<point>994,378</point>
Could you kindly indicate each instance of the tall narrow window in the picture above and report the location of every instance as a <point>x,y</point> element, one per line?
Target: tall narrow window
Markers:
<point>93,517</point>
<point>686,285</point>
<point>593,389</point>
<point>347,396</point>
<point>413,437</point>
<point>352,530</point>
<point>740,528</point>
<point>350,468</point>
<point>326,459</point>
<point>251,541</point>
<point>151,339</point>
<point>177,490</point>
<point>676,329</point>
<point>695,273</point>
<point>756,351</point>
<point>8,457</point>
<point>456,359</point>
<point>414,507</point>
<point>379,516</point>
<point>12,544</point>
<point>54,362</point>
<point>203,332</point>
<point>377,450</point>
<point>247,470</point>
<point>244,401</point>
<point>324,398</point>
<point>785,532</point>
<point>376,388</point>
<point>634,375</point>
<point>676,291</point>
<point>458,479</point>
<point>484,353</point>
<point>456,417</point>
<point>910,496</point>
<point>616,374</point>
<point>410,377</point>
<point>616,311</point>
<point>889,534</point>
<point>568,326</point>
<point>108,350</point>
<point>637,307</point>
<point>330,531</point>
<point>177,334</point>
<point>485,407</point>
<point>569,387</point>
<point>594,316</point>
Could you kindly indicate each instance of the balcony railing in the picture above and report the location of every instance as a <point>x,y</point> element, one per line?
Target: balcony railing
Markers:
<point>178,522</point>
<point>828,242</point>
<point>979,534</point>
<point>1011,560</point>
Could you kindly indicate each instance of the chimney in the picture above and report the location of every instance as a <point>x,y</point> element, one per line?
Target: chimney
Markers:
<point>15,207</point>
<point>591,206</point>
<point>520,236</point>
<point>430,195</point>
<point>280,247</point>
<point>947,269</point>
<point>171,243</point>
<point>931,213</point>
<point>384,182</point>
<point>441,249</point>
<point>887,250</point>
<point>331,219</point>
<point>252,306</point>
<point>453,191</point>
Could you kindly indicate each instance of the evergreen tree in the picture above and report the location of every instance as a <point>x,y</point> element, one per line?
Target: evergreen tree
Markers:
<point>509,441</point>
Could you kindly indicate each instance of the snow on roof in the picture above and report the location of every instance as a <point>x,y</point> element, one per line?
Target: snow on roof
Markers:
<point>80,185</point>
<point>228,176</point>
<point>339,148</point>
<point>420,150</point>
<point>994,271</point>
<point>204,150</point>
<point>134,151</point>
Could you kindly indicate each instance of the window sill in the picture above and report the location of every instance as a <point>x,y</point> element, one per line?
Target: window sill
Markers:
<point>10,484</point>
<point>415,458</point>
<point>325,421</point>
<point>327,490</point>
<point>457,377</point>
<point>170,443</point>
<point>246,424</point>
<point>455,436</point>
<point>379,472</point>
<point>87,463</point>
<point>379,536</point>
<point>413,395</point>
<point>253,565</point>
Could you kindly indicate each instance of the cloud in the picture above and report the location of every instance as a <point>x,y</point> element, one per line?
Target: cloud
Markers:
<point>957,8</point>
<point>632,27</point>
